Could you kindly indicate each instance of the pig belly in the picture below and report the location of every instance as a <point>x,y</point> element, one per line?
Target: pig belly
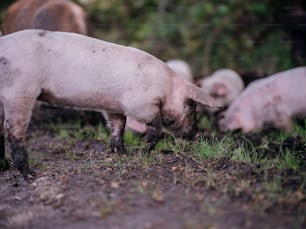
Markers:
<point>82,100</point>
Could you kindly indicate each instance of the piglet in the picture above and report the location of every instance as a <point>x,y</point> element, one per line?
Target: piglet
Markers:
<point>224,85</point>
<point>273,101</point>
<point>181,68</point>
<point>73,70</point>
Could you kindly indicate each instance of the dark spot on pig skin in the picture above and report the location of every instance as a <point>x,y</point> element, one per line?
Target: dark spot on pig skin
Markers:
<point>4,61</point>
<point>6,72</point>
<point>42,33</point>
<point>277,98</point>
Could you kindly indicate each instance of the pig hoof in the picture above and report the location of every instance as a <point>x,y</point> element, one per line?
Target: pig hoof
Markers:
<point>148,149</point>
<point>28,174</point>
<point>118,151</point>
<point>4,164</point>
<point>167,151</point>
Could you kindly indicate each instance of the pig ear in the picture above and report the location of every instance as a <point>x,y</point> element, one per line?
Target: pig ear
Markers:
<point>200,96</point>
<point>219,89</point>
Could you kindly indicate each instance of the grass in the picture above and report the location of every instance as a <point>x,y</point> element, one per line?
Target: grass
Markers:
<point>235,165</point>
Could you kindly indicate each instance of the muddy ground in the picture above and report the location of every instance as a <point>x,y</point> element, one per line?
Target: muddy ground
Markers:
<point>79,184</point>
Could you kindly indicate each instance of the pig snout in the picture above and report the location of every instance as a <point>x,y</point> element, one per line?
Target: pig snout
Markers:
<point>190,132</point>
<point>228,122</point>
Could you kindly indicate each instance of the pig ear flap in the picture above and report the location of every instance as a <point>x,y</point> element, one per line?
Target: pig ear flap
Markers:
<point>198,95</point>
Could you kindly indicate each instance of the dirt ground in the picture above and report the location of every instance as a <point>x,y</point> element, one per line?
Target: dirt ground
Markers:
<point>79,184</point>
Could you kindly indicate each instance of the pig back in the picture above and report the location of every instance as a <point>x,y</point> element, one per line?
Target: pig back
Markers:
<point>71,65</point>
<point>284,91</point>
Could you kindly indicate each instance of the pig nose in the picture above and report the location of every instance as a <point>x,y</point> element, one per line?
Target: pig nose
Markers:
<point>221,127</point>
<point>191,133</point>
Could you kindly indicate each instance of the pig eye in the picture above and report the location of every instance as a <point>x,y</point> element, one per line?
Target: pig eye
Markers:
<point>169,122</point>
<point>189,107</point>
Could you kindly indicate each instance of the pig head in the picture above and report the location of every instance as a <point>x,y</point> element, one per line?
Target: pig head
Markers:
<point>182,69</point>
<point>72,70</point>
<point>224,85</point>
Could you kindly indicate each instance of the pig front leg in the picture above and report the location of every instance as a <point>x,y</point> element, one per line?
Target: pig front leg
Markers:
<point>153,133</point>
<point>16,117</point>
<point>116,123</point>
<point>3,163</point>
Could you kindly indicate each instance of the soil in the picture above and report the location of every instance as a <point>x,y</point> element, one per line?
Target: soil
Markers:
<point>79,184</point>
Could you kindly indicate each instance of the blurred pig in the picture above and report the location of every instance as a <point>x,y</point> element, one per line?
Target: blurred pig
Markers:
<point>272,101</point>
<point>224,85</point>
<point>90,74</point>
<point>55,15</point>
<point>181,68</point>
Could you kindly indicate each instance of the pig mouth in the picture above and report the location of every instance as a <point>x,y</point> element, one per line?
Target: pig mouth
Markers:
<point>190,133</point>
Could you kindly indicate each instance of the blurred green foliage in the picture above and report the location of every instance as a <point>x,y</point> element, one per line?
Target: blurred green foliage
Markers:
<point>238,34</point>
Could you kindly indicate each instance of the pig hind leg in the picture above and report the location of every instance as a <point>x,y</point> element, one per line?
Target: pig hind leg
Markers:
<point>3,163</point>
<point>116,123</point>
<point>17,112</point>
<point>285,123</point>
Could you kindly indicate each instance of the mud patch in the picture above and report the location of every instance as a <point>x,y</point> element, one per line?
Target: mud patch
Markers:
<point>80,185</point>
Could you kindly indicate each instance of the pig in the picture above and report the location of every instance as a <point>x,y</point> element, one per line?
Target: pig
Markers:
<point>135,126</point>
<point>224,85</point>
<point>181,68</point>
<point>272,101</point>
<point>73,70</point>
<point>55,15</point>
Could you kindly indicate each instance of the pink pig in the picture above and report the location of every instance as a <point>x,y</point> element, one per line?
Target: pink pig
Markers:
<point>224,85</point>
<point>272,101</point>
<point>72,70</point>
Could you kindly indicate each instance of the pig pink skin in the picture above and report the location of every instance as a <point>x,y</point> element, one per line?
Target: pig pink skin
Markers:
<point>273,101</point>
<point>135,126</point>
<point>182,69</point>
<point>231,81</point>
<point>68,69</point>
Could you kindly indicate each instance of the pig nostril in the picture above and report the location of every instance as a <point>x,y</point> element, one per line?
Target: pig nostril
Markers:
<point>237,131</point>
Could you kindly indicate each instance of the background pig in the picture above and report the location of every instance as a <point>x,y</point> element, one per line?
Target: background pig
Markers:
<point>270,101</point>
<point>55,15</point>
<point>181,68</point>
<point>87,73</point>
<point>224,85</point>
